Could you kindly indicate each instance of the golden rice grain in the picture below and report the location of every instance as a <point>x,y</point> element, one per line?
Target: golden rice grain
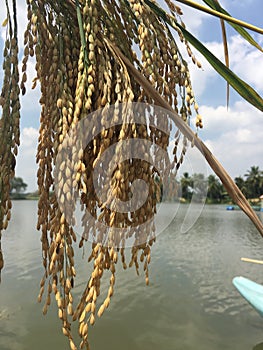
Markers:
<point>82,316</point>
<point>70,308</point>
<point>65,331</point>
<point>92,319</point>
<point>84,331</point>
<point>72,345</point>
<point>101,310</point>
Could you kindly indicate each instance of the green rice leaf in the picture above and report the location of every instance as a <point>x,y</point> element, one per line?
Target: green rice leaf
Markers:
<point>244,90</point>
<point>216,6</point>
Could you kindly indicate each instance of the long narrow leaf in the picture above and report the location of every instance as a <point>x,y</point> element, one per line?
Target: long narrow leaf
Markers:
<point>223,28</point>
<point>228,18</point>
<point>244,90</point>
<point>216,6</point>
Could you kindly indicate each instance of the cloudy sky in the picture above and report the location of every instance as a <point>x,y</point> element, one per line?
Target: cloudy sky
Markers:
<point>235,136</point>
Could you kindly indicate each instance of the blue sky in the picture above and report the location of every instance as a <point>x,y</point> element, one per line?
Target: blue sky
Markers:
<point>235,136</point>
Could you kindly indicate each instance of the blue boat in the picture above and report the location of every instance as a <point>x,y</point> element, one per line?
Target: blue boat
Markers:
<point>230,207</point>
<point>251,291</point>
<point>236,207</point>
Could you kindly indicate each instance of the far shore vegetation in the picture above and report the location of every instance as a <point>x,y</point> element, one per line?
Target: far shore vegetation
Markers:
<point>198,188</point>
<point>195,187</point>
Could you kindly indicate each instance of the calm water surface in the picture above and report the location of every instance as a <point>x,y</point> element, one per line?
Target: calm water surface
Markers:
<point>189,304</point>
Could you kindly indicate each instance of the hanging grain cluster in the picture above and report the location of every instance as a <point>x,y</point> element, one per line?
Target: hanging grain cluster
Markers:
<point>79,73</point>
<point>9,122</point>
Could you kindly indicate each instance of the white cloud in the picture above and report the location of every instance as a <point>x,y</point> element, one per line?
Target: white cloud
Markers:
<point>193,18</point>
<point>26,160</point>
<point>200,77</point>
<point>245,60</point>
<point>244,136</point>
<point>234,136</point>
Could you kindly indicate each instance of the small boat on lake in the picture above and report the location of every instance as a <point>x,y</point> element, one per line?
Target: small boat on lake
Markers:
<point>251,291</point>
<point>236,207</point>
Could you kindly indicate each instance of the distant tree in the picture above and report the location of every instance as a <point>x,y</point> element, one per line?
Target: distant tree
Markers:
<point>18,185</point>
<point>215,189</point>
<point>186,186</point>
<point>199,187</point>
<point>254,181</point>
<point>251,185</point>
<point>172,190</point>
<point>242,184</point>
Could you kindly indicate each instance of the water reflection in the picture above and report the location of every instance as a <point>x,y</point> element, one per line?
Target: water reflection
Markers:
<point>190,300</point>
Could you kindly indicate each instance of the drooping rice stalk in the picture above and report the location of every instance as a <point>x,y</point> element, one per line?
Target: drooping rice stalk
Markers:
<point>78,73</point>
<point>9,122</point>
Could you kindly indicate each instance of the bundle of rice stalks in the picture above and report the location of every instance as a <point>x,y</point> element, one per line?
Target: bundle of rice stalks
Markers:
<point>9,122</point>
<point>100,66</point>
<point>79,73</point>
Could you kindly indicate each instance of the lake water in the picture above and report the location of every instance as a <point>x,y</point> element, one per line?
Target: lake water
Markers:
<point>189,304</point>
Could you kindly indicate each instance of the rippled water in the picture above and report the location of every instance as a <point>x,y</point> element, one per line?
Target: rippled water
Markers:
<point>189,304</point>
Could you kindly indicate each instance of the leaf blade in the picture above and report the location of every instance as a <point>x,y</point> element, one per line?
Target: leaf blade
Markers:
<point>224,36</point>
<point>243,89</point>
<point>241,31</point>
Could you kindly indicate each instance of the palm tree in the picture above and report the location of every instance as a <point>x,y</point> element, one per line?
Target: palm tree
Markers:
<point>242,185</point>
<point>91,54</point>
<point>254,181</point>
<point>186,186</point>
<point>215,189</point>
<point>199,187</point>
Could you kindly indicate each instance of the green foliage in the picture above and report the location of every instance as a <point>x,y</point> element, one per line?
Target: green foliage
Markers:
<point>18,185</point>
<point>216,6</point>
<point>243,89</point>
<point>199,187</point>
<point>241,183</point>
<point>252,183</point>
<point>216,191</point>
<point>237,83</point>
<point>186,186</point>
<point>213,191</point>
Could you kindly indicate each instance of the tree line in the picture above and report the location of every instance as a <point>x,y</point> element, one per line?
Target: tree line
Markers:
<point>195,187</point>
<point>199,188</point>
